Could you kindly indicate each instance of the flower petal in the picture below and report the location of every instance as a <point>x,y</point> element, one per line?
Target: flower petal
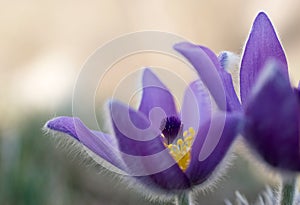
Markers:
<point>197,106</point>
<point>155,94</point>
<point>133,129</point>
<point>217,80</point>
<point>143,150</point>
<point>211,144</point>
<point>272,113</point>
<point>261,45</point>
<point>99,143</point>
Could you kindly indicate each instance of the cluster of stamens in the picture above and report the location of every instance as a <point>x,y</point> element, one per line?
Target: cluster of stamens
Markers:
<point>180,148</point>
<point>181,151</point>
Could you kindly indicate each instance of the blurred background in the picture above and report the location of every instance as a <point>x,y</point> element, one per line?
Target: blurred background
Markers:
<point>43,46</point>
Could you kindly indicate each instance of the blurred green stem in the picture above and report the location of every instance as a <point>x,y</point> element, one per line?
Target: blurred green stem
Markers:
<point>288,190</point>
<point>183,199</point>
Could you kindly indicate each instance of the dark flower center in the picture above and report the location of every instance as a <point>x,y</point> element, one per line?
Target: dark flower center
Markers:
<point>170,127</point>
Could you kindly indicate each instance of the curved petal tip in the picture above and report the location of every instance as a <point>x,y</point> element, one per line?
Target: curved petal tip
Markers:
<point>262,44</point>
<point>156,94</point>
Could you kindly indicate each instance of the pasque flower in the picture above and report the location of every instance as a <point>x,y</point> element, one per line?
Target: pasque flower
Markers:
<point>155,144</point>
<point>269,103</point>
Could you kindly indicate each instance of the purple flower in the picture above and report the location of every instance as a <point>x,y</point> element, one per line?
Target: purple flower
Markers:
<point>155,144</point>
<point>269,103</point>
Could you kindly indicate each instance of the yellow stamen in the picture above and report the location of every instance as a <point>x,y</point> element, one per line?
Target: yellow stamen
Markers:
<point>181,151</point>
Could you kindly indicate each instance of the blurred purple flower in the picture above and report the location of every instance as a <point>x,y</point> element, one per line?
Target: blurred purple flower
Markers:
<point>159,150</point>
<point>269,103</point>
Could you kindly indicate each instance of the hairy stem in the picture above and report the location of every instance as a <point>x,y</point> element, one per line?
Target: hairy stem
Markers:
<point>288,191</point>
<point>183,199</point>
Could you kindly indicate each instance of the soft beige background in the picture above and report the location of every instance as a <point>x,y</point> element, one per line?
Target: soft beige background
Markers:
<point>43,44</point>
